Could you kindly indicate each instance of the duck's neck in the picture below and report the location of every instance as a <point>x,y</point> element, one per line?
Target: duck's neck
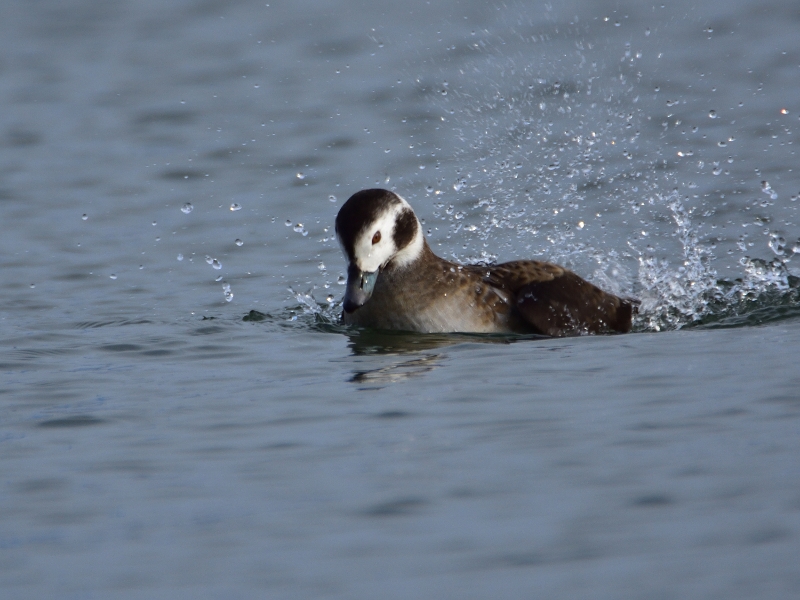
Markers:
<point>424,260</point>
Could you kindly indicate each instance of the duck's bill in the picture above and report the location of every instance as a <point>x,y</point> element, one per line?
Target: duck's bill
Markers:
<point>359,288</point>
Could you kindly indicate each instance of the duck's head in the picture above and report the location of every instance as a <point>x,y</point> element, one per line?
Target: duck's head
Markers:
<point>377,229</point>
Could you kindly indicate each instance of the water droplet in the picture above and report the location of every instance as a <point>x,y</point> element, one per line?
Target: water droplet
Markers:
<point>239,242</point>
<point>459,184</point>
<point>113,276</point>
<point>777,243</point>
<point>581,224</point>
<point>422,167</point>
<point>712,114</point>
<point>288,222</point>
<point>332,198</point>
<point>187,208</point>
<point>209,260</point>
<point>154,223</point>
<point>219,278</point>
<point>180,256</point>
<point>341,280</point>
<point>329,298</point>
<point>301,176</point>
<point>84,216</point>
<point>235,206</point>
<point>767,189</point>
<point>33,285</point>
<point>300,229</point>
<point>429,189</point>
<point>216,264</point>
<point>321,266</point>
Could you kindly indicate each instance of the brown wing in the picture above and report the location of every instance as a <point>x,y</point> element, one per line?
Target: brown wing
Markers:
<point>557,302</point>
<point>568,305</point>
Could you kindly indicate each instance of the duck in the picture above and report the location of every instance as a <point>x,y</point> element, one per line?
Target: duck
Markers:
<point>396,282</point>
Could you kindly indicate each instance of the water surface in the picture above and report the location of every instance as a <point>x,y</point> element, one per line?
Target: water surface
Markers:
<point>168,167</point>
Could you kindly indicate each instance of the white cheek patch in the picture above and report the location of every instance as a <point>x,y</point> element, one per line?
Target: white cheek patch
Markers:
<point>370,257</point>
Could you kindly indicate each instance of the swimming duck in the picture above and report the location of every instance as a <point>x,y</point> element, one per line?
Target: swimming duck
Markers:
<point>395,281</point>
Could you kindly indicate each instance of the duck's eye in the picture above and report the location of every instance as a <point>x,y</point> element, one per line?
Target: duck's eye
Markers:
<point>376,238</point>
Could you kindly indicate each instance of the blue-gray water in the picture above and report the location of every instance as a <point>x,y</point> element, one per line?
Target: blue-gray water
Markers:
<point>155,444</point>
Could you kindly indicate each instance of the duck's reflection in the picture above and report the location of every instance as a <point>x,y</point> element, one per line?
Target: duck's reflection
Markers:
<point>398,371</point>
<point>374,341</point>
<point>393,345</point>
<point>371,342</point>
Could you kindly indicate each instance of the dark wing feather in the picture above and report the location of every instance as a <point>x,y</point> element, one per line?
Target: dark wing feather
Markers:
<point>556,301</point>
<point>568,305</point>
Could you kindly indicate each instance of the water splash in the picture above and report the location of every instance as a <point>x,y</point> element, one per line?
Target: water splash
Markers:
<point>329,312</point>
<point>692,294</point>
<point>674,296</point>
